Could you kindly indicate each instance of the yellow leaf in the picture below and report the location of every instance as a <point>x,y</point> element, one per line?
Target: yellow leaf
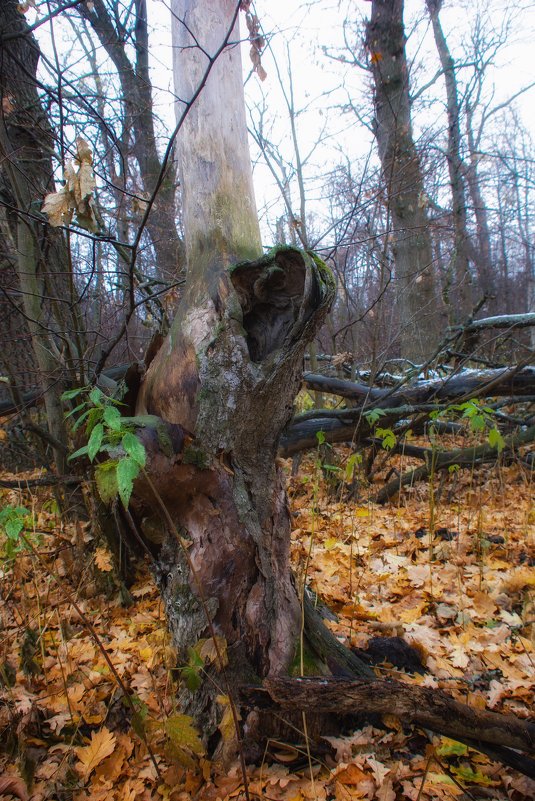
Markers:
<point>182,733</point>
<point>226,725</point>
<point>102,745</point>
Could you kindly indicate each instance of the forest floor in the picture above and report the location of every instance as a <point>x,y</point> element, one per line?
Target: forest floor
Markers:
<point>453,578</point>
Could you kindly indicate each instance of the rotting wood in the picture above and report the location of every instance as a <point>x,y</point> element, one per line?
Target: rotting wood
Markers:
<point>426,707</point>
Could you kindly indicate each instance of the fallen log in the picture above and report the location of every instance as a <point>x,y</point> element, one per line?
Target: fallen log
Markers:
<point>426,707</point>
<point>506,381</point>
<point>464,457</point>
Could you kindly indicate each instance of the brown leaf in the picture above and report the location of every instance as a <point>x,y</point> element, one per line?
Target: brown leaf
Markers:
<point>8,105</point>
<point>102,745</point>
<point>351,774</point>
<point>83,151</point>
<point>103,560</point>
<point>13,785</point>
<point>59,207</point>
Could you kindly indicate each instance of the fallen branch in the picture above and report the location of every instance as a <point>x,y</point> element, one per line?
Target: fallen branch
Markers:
<point>464,457</point>
<point>509,321</point>
<point>42,481</point>
<point>423,706</point>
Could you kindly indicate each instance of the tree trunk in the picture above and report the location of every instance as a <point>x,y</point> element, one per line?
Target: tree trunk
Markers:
<point>461,241</point>
<point>416,296</point>
<point>225,379</point>
<point>136,90</point>
<point>483,255</point>
<point>41,258</point>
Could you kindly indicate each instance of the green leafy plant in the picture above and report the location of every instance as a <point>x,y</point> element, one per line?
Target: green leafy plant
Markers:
<point>480,417</point>
<point>387,437</point>
<point>108,432</point>
<point>373,416</point>
<point>13,521</point>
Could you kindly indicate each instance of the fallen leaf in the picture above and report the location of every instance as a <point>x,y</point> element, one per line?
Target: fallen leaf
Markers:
<point>102,745</point>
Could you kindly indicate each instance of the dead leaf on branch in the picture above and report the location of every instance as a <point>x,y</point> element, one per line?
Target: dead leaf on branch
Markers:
<point>76,197</point>
<point>8,105</point>
<point>257,44</point>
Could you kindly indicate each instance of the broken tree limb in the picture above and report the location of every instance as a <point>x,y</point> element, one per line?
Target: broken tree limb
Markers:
<point>508,321</point>
<point>423,706</point>
<point>467,457</point>
<point>502,381</point>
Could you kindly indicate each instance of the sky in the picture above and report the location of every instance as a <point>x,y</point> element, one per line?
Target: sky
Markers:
<point>308,45</point>
<point>310,40</point>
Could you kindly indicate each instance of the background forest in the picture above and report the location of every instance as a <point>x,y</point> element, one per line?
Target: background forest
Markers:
<point>156,583</point>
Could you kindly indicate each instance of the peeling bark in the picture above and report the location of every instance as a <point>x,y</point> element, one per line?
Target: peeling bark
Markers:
<point>226,380</point>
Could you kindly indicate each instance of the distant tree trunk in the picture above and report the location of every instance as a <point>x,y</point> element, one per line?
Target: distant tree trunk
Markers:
<point>136,89</point>
<point>402,176</point>
<point>483,254</point>
<point>41,260</point>
<point>462,304</point>
<point>224,382</point>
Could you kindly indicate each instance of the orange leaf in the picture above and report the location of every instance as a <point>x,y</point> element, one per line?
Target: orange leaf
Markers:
<point>102,745</point>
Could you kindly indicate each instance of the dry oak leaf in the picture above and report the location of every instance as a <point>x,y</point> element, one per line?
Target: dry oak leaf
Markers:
<point>102,745</point>
<point>103,560</point>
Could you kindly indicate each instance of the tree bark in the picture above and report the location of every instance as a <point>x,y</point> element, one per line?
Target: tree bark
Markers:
<point>462,300</point>
<point>224,381</point>
<point>417,298</point>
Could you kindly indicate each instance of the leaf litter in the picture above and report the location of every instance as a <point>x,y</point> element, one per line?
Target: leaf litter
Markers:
<point>460,592</point>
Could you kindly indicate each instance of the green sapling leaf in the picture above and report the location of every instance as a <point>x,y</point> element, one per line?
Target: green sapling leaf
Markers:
<point>134,448</point>
<point>127,472</point>
<point>95,441</point>
<point>496,440</point>
<point>112,418</point>
<point>106,479</point>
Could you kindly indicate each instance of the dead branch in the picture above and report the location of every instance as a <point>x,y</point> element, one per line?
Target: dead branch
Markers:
<point>464,457</point>
<point>426,707</point>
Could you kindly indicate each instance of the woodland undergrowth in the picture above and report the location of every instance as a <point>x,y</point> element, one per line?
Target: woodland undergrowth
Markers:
<point>447,569</point>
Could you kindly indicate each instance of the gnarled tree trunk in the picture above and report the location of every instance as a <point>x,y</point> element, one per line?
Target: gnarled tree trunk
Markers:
<point>224,382</point>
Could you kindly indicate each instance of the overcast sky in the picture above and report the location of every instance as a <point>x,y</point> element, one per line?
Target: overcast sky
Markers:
<point>307,37</point>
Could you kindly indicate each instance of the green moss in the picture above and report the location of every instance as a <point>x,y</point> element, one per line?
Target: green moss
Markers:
<point>266,260</point>
<point>196,457</point>
<point>325,272</point>
<point>312,666</point>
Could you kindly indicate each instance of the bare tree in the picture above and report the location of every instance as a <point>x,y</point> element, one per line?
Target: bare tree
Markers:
<point>460,269</point>
<point>417,298</point>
